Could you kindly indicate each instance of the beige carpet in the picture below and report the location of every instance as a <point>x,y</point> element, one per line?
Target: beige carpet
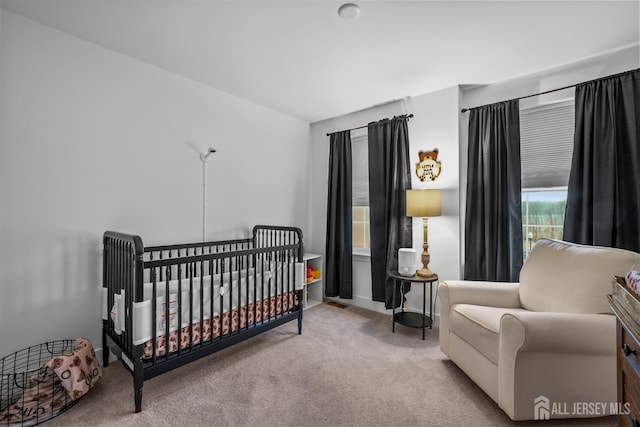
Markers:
<point>346,369</point>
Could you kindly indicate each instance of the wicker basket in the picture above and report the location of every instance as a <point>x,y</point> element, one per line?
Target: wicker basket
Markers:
<point>30,392</point>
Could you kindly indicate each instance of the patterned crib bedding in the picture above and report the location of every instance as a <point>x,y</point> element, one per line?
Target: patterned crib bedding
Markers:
<point>246,316</point>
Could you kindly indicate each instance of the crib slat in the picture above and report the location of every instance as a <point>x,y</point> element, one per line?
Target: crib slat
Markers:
<point>154,310</point>
<point>179,309</point>
<point>167,304</point>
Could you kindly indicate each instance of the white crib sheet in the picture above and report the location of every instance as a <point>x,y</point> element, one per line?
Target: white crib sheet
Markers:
<point>142,311</point>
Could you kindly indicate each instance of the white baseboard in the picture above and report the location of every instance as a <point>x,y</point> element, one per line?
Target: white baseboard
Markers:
<point>112,357</point>
<point>98,354</point>
<point>361,302</point>
<point>367,303</point>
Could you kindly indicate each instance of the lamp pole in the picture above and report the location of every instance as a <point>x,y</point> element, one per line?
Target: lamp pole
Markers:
<point>425,271</point>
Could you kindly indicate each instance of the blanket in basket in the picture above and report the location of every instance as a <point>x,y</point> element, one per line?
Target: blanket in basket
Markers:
<point>58,382</point>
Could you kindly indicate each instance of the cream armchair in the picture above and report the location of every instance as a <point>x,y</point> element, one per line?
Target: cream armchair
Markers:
<point>548,337</point>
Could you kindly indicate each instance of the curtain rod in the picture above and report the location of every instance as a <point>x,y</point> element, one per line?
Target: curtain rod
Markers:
<point>464,110</point>
<point>408,116</point>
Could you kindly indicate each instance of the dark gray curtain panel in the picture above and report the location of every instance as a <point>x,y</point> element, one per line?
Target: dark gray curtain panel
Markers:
<point>603,199</point>
<point>389,178</point>
<point>339,259</point>
<point>493,222</point>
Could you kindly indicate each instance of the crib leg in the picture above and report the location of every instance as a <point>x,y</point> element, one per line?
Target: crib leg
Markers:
<point>138,381</point>
<point>105,350</point>
<point>138,399</point>
<point>300,314</point>
<point>105,356</point>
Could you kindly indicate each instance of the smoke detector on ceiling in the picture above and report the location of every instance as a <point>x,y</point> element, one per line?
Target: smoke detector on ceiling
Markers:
<point>349,11</point>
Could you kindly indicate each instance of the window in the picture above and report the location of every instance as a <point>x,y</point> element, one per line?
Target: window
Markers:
<point>361,229</point>
<point>542,215</point>
<point>360,190</point>
<point>546,144</point>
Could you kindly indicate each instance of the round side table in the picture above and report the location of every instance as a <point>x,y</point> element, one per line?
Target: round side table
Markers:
<point>409,318</point>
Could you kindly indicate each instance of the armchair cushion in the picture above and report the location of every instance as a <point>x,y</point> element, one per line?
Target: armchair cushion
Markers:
<point>480,326</point>
<point>571,278</point>
<point>492,294</point>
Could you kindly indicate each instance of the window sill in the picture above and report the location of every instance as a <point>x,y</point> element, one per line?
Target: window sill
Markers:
<point>362,255</point>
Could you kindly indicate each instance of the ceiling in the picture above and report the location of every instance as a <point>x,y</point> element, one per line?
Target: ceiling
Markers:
<point>300,58</point>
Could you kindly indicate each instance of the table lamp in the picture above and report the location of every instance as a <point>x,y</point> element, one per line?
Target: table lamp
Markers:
<point>425,204</point>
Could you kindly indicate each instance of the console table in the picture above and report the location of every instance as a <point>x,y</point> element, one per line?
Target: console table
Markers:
<point>409,318</point>
<point>626,307</point>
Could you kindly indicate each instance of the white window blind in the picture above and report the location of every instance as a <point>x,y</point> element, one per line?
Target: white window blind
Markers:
<point>546,144</point>
<point>360,167</point>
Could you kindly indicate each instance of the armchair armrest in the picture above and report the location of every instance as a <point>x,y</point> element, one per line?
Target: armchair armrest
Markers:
<point>576,333</point>
<point>535,346</point>
<point>491,294</point>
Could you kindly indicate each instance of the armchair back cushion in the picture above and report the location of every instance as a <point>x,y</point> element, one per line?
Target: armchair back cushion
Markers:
<point>571,278</point>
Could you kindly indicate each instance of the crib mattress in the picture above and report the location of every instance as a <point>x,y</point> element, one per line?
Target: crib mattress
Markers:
<point>240,299</point>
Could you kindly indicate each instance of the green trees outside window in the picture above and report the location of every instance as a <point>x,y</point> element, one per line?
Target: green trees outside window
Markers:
<point>542,215</point>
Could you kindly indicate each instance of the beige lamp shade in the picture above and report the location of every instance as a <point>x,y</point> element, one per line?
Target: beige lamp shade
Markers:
<point>424,203</point>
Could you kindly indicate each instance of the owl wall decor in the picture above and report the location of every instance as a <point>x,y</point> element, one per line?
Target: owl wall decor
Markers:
<point>428,169</point>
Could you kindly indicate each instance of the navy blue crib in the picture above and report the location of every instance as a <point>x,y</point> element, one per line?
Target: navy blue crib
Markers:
<point>166,306</point>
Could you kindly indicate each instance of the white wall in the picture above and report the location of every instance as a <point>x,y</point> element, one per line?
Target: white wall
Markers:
<point>92,140</point>
<point>434,125</point>
<point>616,61</point>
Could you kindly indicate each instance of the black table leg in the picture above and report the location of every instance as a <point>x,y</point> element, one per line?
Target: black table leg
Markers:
<point>424,310</point>
<point>393,308</point>
<point>431,304</point>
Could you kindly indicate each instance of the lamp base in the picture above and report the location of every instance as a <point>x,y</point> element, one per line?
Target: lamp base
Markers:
<point>426,273</point>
